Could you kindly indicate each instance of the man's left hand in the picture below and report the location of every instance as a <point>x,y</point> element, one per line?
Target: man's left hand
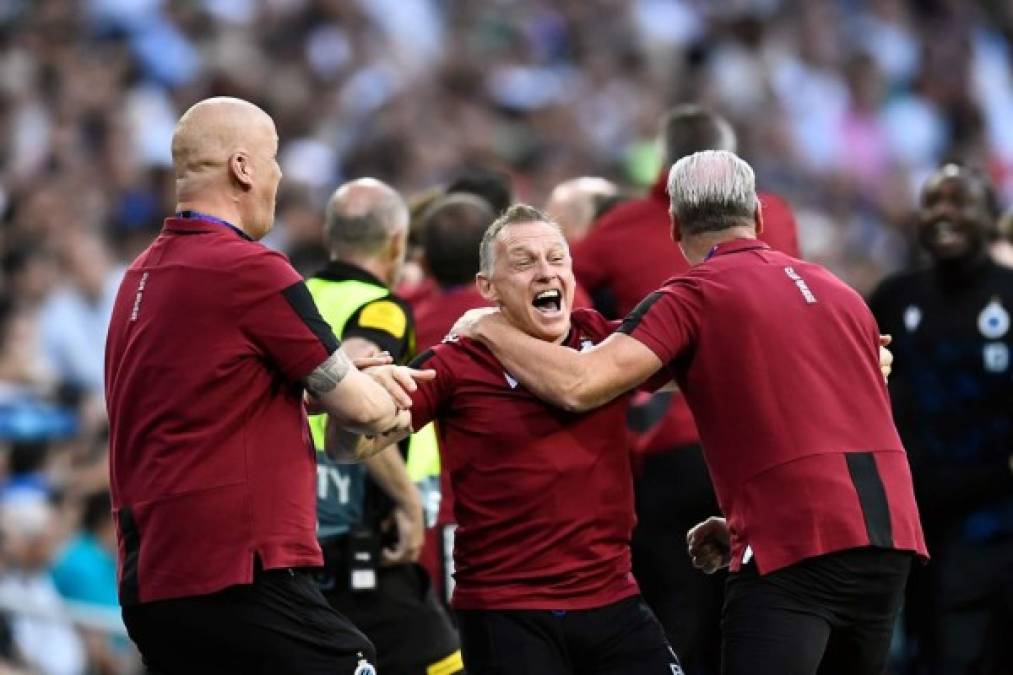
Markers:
<point>410,536</point>
<point>885,357</point>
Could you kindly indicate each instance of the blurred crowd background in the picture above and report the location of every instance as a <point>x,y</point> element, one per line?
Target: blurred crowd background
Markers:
<point>842,107</point>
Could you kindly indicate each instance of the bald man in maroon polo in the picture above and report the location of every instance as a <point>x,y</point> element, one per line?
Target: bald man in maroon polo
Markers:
<point>777,359</point>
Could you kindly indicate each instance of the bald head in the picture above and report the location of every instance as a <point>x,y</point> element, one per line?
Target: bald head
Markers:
<point>362,216</point>
<point>574,203</point>
<point>224,154</point>
<point>213,129</point>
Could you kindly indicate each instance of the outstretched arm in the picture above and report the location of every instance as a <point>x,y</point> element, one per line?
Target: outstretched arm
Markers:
<point>575,381</point>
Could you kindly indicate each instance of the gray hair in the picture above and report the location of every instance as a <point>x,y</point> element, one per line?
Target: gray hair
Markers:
<point>711,191</point>
<point>361,216</point>
<point>518,213</point>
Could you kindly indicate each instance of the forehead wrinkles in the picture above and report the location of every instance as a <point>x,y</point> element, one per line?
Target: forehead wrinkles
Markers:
<point>529,238</point>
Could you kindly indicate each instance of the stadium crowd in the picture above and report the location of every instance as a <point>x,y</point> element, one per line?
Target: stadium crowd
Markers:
<point>844,108</point>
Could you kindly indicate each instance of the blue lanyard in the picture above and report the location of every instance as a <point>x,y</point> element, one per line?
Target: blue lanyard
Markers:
<point>197,215</point>
<point>711,253</point>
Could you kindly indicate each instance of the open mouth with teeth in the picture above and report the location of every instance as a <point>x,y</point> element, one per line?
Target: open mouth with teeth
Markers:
<point>946,235</point>
<point>548,302</point>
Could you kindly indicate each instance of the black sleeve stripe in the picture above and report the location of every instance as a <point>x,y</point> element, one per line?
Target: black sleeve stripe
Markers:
<point>634,318</point>
<point>420,360</point>
<point>298,296</point>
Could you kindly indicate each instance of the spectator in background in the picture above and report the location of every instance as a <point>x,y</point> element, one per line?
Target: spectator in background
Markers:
<point>952,395</point>
<point>491,185</point>
<point>452,231</point>
<point>688,606</point>
<point>1002,248</point>
<point>85,572</point>
<point>74,319</point>
<point>44,640</point>
<point>29,274</point>
<point>576,203</point>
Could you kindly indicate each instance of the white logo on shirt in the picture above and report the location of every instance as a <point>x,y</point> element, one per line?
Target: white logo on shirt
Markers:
<point>912,318</point>
<point>140,296</point>
<point>585,345</point>
<point>993,322</point>
<point>364,668</point>
<point>803,287</point>
<point>996,357</point>
<point>511,381</point>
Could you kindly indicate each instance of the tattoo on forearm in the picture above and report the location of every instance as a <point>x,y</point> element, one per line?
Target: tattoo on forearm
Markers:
<point>329,373</point>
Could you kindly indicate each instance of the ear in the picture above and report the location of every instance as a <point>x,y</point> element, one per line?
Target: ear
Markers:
<point>241,169</point>
<point>758,217</point>
<point>486,289</point>
<point>397,245</point>
<point>676,230</point>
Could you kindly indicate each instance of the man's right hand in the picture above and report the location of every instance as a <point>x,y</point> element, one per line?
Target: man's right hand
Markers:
<point>710,545</point>
<point>399,381</point>
<point>885,357</point>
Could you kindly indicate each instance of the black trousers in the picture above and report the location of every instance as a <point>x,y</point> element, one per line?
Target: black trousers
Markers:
<point>623,638</point>
<point>960,608</point>
<point>278,624</point>
<point>674,493</point>
<point>829,615</point>
<point>412,632</point>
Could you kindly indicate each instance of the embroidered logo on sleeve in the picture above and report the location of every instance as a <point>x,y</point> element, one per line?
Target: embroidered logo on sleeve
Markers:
<point>803,287</point>
<point>386,316</point>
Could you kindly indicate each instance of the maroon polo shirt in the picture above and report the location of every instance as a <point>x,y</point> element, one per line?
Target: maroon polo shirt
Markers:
<point>779,361</point>
<point>641,230</point>
<point>210,457</point>
<point>543,497</point>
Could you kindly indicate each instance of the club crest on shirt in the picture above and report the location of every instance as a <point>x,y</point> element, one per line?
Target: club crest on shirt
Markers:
<point>510,380</point>
<point>585,345</point>
<point>364,668</point>
<point>912,317</point>
<point>993,322</point>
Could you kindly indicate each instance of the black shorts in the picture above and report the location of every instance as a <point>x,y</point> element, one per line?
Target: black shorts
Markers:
<point>278,624</point>
<point>623,638</point>
<point>411,630</point>
<point>829,615</point>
